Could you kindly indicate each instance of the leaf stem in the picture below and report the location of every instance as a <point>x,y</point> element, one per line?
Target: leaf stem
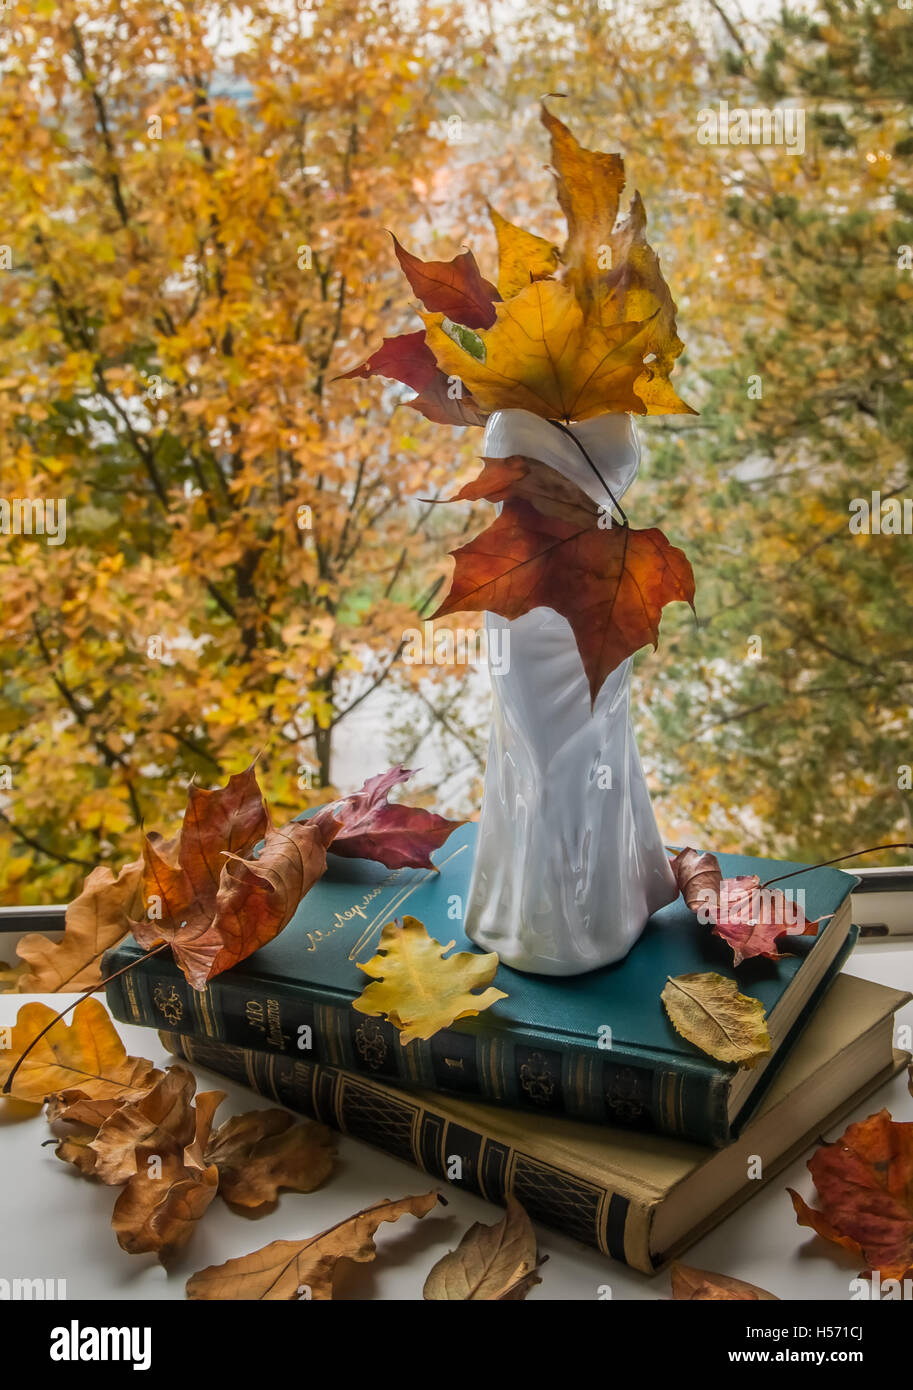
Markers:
<point>854,854</point>
<point>571,435</point>
<point>7,1085</point>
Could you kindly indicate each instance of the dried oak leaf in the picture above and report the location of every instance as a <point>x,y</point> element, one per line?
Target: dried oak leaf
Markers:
<point>418,987</point>
<point>752,919</point>
<point>709,1012</point>
<point>159,1206</point>
<point>158,1122</point>
<point>543,355</point>
<point>95,921</point>
<point>522,256</point>
<point>213,906</point>
<point>263,1151</point>
<point>864,1182</point>
<point>371,827</point>
<point>690,1285</point>
<point>296,1269</point>
<point>546,548</point>
<point>491,1263</point>
<point>86,1054</point>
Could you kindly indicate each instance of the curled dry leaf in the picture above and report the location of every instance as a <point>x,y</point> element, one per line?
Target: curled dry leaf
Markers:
<point>263,1151</point>
<point>749,918</point>
<point>158,1208</point>
<point>864,1182</point>
<point>296,1269</point>
<point>548,548</point>
<point>709,1011</point>
<point>371,827</point>
<point>158,1122</point>
<point>490,1263</point>
<point>698,875</point>
<point>86,1055</point>
<point>691,1284</point>
<point>95,921</point>
<point>418,987</point>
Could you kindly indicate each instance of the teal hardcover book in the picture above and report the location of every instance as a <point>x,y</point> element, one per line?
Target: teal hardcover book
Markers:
<point>597,1046</point>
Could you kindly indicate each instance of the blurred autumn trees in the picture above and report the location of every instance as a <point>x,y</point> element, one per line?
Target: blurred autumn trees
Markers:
<point>195,195</point>
<point>195,198</point>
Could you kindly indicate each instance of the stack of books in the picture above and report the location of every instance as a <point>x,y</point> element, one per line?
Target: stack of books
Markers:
<point>574,1094</point>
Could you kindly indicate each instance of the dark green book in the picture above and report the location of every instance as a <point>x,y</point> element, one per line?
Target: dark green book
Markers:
<point>597,1047</point>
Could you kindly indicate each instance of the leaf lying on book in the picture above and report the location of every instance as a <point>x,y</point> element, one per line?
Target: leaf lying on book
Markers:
<point>691,1284</point>
<point>752,919</point>
<point>263,1151</point>
<point>418,987</point>
<point>371,827</point>
<point>95,921</point>
<point>698,876</point>
<point>710,1012</point>
<point>864,1182</point>
<point>749,918</point>
<point>86,1054</point>
<point>159,1206</point>
<point>491,1263</point>
<point>304,1269</point>
<point>549,547</point>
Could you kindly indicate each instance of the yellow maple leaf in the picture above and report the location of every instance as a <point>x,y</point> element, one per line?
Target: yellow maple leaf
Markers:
<point>542,355</point>
<point>418,987</point>
<point>522,256</point>
<point>615,272</point>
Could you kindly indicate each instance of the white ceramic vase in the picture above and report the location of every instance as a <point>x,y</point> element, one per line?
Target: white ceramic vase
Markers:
<point>567,868</point>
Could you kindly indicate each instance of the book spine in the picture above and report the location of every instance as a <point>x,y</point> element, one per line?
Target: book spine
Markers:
<point>613,1222</point>
<point>524,1072</point>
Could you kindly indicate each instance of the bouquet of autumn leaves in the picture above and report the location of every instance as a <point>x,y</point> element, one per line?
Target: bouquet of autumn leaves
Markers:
<point>567,335</point>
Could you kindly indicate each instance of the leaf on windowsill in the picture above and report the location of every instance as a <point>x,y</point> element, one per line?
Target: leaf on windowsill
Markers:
<point>864,1183</point>
<point>288,1270</point>
<point>496,1263</point>
<point>698,1285</point>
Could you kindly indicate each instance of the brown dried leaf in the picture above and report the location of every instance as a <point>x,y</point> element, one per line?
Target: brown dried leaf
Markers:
<point>263,1151</point>
<point>161,1121</point>
<point>490,1263</point>
<point>691,1284</point>
<point>698,876</point>
<point>159,1207</point>
<point>87,1055</point>
<point>95,921</point>
<point>295,1269</point>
